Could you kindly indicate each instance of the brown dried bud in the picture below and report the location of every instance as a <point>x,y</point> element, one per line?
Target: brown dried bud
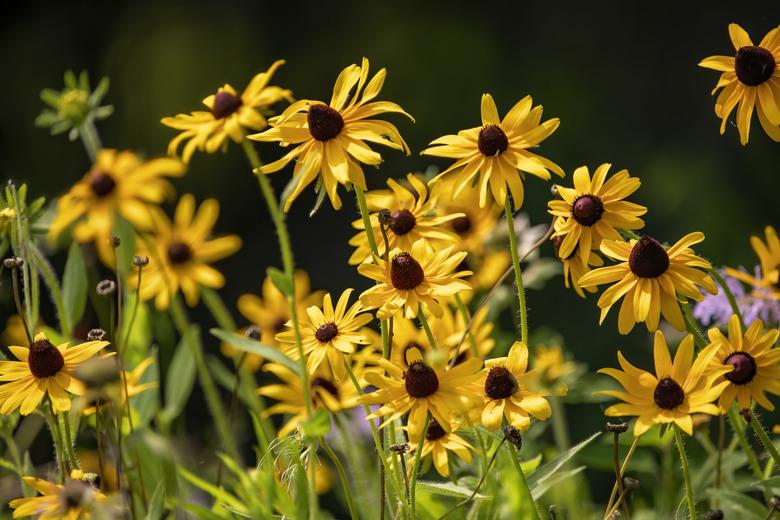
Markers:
<point>514,436</point>
<point>140,261</point>
<point>115,241</point>
<point>713,514</point>
<point>253,332</point>
<point>399,448</point>
<point>96,335</point>
<point>106,287</point>
<point>385,217</point>
<point>617,427</point>
<point>630,484</point>
<point>554,192</point>
<point>13,262</point>
<point>746,414</point>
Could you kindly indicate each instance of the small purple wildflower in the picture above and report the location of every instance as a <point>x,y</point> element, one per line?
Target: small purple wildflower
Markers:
<point>755,305</point>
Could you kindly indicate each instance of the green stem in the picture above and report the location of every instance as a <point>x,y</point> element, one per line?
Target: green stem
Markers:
<point>518,273</point>
<point>90,139</point>
<point>427,328</point>
<point>736,425</point>
<point>525,491</point>
<point>729,295</point>
<point>464,311</point>
<point>20,246</point>
<point>218,309</point>
<point>416,467</point>
<point>50,279</point>
<point>692,326</point>
<point>361,200</point>
<point>73,460</point>
<point>213,401</point>
<point>51,420</point>
<point>765,440</point>
<point>686,472</point>
<point>343,477</point>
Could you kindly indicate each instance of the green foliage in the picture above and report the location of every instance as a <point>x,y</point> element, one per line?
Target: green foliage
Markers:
<point>74,284</point>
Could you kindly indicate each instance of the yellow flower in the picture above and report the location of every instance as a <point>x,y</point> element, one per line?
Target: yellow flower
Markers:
<point>43,370</point>
<point>132,379</point>
<point>329,333</point>
<point>505,392</point>
<point>649,277</point>
<point>750,78</point>
<point>411,280</point>
<point>594,210</point>
<point>497,151</point>
<point>119,182</point>
<point>327,391</point>
<point>419,389</point>
<point>439,442</point>
<point>14,333</point>
<point>676,391</point>
<point>754,361</point>
<point>330,139</point>
<point>414,217</point>
<point>551,365</point>
<point>228,115</point>
<point>769,258</point>
<point>72,501</point>
<point>574,269</point>
<point>180,252</point>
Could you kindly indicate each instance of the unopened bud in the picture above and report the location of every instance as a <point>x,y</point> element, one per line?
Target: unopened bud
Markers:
<point>13,262</point>
<point>96,335</point>
<point>399,448</point>
<point>513,435</point>
<point>140,261</point>
<point>617,427</point>
<point>106,287</point>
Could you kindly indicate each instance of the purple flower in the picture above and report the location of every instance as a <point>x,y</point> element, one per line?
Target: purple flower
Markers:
<point>756,305</point>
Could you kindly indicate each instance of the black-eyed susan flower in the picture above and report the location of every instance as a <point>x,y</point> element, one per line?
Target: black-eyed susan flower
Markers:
<point>326,391</point>
<point>414,217</point>
<point>71,501</point>
<point>413,280</point>
<point>649,277</point>
<point>229,114</point>
<point>505,392</point>
<point>438,443</point>
<point>574,269</point>
<point>119,182</point>
<point>750,79</point>
<point>677,390</point>
<point>755,361</point>
<point>422,388</point>
<point>551,369</point>
<point>329,333</point>
<point>269,312</point>
<point>594,210</point>
<point>496,154</point>
<point>181,251</point>
<point>329,139</point>
<point>43,370</point>
<point>769,258</point>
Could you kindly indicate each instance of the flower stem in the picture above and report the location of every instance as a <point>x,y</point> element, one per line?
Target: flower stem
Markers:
<point>686,472</point>
<point>618,476</point>
<point>90,139</point>
<point>518,273</point>
<point>361,200</point>
<point>729,295</point>
<point>464,311</point>
<point>525,491</point>
<point>50,278</point>
<point>623,468</point>
<point>692,326</point>
<point>736,425</point>
<point>70,451</point>
<point>762,435</point>
<point>343,476</point>
<point>427,329</point>
<point>416,467</point>
<point>479,484</point>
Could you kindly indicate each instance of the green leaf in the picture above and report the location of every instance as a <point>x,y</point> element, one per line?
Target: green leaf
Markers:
<point>318,426</point>
<point>447,489</point>
<point>321,192</point>
<point>544,473</point>
<point>280,280</point>
<point>770,482</point>
<point>531,465</point>
<point>255,347</point>
<point>553,480</point>
<point>147,403</point>
<point>181,376</point>
<point>737,505</point>
<point>124,253</point>
<point>74,284</point>
<point>217,492</point>
<point>157,502</point>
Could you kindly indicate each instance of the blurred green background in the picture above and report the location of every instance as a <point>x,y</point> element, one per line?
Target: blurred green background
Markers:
<point>622,77</point>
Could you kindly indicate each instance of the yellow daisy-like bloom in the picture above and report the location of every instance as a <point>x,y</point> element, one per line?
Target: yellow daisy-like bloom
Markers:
<point>676,391</point>
<point>414,217</point>
<point>769,257</point>
<point>574,269</point>
<point>132,379</point>
<point>497,151</point>
<point>229,115</point>
<point>57,502</point>
<point>269,312</point>
<point>505,392</point>
<point>419,389</point>
<point>326,391</point>
<point>649,277</point>
<point>329,333</point>
<point>754,360</point>
<point>43,369</point>
<point>439,442</point>
<point>119,182</point>
<point>181,251</point>
<point>413,280</point>
<point>751,78</point>
<point>551,364</point>
<point>330,139</point>
<point>594,210</point>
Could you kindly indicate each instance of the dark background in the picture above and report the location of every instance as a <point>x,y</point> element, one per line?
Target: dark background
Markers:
<point>622,78</point>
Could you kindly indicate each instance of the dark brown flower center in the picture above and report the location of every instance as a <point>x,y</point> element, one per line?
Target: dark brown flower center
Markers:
<point>325,384</point>
<point>75,495</point>
<point>557,241</point>
<point>668,394</point>
<point>225,104</point>
<point>405,272</point>
<point>325,123</point>
<point>754,65</point>
<point>101,183</point>
<point>648,258</point>
<point>413,353</point>
<point>279,324</point>
<point>492,140</point>
<point>403,222</point>
<point>44,360</point>
<point>500,383</point>
<point>461,225</point>
<point>435,431</point>
<point>744,368</point>
<point>587,210</point>
<point>326,332</point>
<point>421,380</point>
<point>179,253</point>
